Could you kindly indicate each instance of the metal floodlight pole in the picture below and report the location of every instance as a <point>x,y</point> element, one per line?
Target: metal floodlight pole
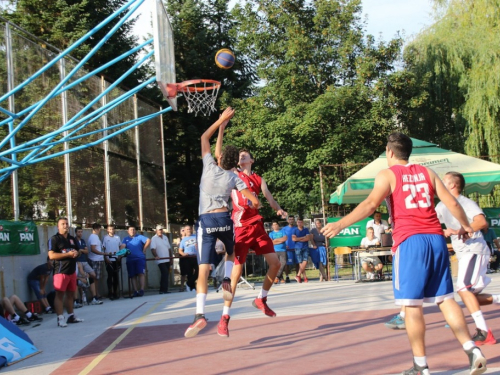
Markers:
<point>324,222</point>
<point>67,171</point>
<point>138,158</point>
<point>167,224</point>
<point>107,187</point>
<point>10,86</point>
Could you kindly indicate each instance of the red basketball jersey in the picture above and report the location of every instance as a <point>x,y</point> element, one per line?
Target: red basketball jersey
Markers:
<point>411,204</point>
<point>243,212</point>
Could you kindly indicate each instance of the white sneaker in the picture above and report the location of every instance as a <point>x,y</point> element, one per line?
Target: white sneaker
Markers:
<point>370,276</point>
<point>95,302</point>
<point>61,322</point>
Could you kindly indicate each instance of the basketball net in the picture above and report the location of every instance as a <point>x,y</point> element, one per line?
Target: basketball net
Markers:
<point>200,95</point>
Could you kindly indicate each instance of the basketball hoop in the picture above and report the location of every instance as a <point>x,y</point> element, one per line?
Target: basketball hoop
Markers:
<point>200,94</point>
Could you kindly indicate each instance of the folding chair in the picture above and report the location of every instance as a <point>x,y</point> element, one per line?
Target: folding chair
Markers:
<point>343,259</point>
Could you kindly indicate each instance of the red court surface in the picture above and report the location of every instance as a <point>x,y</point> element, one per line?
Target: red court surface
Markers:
<point>333,343</point>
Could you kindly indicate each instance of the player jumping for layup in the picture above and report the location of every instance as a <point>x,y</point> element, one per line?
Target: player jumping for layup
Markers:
<point>421,266</point>
<point>217,182</point>
<point>250,234</point>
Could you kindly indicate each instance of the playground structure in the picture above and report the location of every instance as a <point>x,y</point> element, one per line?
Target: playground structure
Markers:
<point>50,108</point>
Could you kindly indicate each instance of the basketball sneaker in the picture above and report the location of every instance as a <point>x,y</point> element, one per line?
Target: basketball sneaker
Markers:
<point>417,370</point>
<point>198,324</point>
<point>61,322</point>
<point>34,318</point>
<point>222,328</point>
<point>484,338</point>
<point>306,280</point>
<point>261,304</point>
<point>227,295</point>
<point>397,322</point>
<point>73,319</point>
<point>476,360</point>
<point>298,279</point>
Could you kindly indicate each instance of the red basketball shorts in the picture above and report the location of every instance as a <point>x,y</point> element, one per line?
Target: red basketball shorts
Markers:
<point>251,237</point>
<point>65,283</point>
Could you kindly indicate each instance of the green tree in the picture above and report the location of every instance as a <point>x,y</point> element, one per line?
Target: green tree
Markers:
<point>455,86</point>
<point>321,99</point>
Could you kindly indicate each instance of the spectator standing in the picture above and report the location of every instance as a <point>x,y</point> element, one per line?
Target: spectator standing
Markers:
<point>279,239</point>
<point>64,251</point>
<point>188,262</point>
<point>85,268</point>
<point>111,245</point>
<point>318,255</point>
<point>160,247</point>
<point>37,279</point>
<point>290,247</point>
<point>96,257</point>
<point>136,261</point>
<point>300,236</point>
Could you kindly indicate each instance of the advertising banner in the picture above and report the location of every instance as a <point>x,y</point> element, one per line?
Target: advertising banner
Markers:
<point>18,238</point>
<point>493,218</point>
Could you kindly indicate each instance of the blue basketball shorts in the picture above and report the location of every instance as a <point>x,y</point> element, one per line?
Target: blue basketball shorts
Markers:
<point>136,266</point>
<point>213,226</point>
<point>421,271</point>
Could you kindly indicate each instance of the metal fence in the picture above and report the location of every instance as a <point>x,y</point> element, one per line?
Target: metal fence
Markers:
<point>121,181</point>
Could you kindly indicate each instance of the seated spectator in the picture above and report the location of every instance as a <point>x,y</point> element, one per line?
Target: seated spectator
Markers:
<point>491,240</point>
<point>10,314</point>
<point>37,279</point>
<point>371,264</point>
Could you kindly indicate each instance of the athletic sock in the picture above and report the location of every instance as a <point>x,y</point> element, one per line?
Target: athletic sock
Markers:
<point>496,298</point>
<point>263,293</point>
<point>479,320</point>
<point>225,310</point>
<point>28,314</point>
<point>402,314</point>
<point>420,361</point>
<point>468,345</point>
<point>16,318</point>
<point>228,268</point>
<point>200,303</point>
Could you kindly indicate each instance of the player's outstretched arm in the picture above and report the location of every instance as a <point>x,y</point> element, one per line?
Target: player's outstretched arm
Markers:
<point>220,137</point>
<point>205,138</point>
<point>451,203</point>
<point>381,189</point>
<point>272,202</point>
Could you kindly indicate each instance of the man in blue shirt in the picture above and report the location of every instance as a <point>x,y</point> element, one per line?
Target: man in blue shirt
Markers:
<point>279,241</point>
<point>136,261</point>
<point>188,250</point>
<point>301,237</point>
<point>290,247</point>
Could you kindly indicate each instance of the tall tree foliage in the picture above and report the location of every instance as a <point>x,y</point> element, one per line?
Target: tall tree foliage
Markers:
<point>321,99</point>
<point>454,66</point>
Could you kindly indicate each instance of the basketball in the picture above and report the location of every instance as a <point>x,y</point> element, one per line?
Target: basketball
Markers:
<point>224,58</point>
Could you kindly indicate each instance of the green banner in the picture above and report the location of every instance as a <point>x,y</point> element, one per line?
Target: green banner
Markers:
<point>350,236</point>
<point>493,218</point>
<point>18,238</point>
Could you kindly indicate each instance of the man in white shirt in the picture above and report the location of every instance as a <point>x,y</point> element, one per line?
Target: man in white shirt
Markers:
<point>111,245</point>
<point>473,257</point>
<point>160,247</point>
<point>379,226</point>
<point>371,264</point>
<point>96,258</point>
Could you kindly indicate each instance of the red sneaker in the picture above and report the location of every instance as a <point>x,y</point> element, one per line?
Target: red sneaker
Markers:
<point>222,328</point>
<point>261,304</point>
<point>227,294</point>
<point>199,323</point>
<point>484,338</point>
<point>305,280</point>
<point>298,279</point>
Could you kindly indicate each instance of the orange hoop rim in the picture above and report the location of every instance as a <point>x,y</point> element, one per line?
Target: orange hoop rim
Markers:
<point>186,85</point>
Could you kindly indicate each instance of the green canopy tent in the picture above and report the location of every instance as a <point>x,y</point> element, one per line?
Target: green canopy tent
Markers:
<point>480,175</point>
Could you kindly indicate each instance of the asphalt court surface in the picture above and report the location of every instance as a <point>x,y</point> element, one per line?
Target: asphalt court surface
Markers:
<point>321,328</point>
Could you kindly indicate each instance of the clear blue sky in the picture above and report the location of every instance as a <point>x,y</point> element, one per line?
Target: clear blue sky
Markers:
<point>385,17</point>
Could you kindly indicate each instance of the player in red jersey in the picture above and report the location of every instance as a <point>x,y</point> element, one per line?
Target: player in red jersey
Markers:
<point>421,271</point>
<point>250,234</point>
